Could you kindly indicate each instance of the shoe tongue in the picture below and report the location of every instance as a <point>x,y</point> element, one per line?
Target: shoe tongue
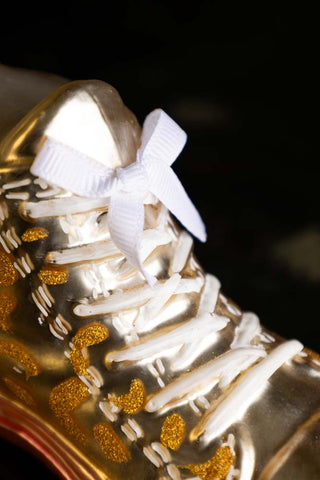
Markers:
<point>88,116</point>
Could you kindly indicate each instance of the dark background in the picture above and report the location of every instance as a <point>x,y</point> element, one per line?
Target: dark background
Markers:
<point>240,79</point>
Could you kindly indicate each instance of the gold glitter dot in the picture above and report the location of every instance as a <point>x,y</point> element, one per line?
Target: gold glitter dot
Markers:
<point>215,469</point>
<point>34,233</point>
<point>18,352</point>
<point>64,399</point>
<point>133,401</point>
<point>68,395</point>
<point>173,431</point>
<point>86,336</point>
<point>20,391</point>
<point>79,362</point>
<point>90,335</point>
<point>53,276</point>
<point>8,303</point>
<point>8,274</point>
<point>111,445</point>
<point>75,428</point>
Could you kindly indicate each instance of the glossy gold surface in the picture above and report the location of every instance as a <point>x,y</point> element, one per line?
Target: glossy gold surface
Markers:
<point>57,361</point>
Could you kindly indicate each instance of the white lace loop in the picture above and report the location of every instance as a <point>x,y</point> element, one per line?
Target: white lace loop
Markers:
<point>161,143</point>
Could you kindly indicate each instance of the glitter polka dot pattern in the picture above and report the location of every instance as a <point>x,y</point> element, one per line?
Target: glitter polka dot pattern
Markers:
<point>34,233</point>
<point>173,431</point>
<point>18,352</point>
<point>8,274</point>
<point>90,335</point>
<point>111,445</point>
<point>217,468</point>
<point>86,336</point>
<point>64,399</point>
<point>8,303</point>
<point>79,362</point>
<point>53,276</point>
<point>133,401</point>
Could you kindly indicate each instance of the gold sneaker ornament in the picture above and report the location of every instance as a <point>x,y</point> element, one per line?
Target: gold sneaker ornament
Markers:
<point>120,358</point>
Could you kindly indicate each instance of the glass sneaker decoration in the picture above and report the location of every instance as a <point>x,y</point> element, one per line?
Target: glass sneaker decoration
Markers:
<point>120,358</point>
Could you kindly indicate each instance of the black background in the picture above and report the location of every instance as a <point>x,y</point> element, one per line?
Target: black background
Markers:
<point>241,80</point>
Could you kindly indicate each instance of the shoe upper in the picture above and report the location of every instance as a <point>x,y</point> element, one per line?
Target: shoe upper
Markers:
<point>165,382</point>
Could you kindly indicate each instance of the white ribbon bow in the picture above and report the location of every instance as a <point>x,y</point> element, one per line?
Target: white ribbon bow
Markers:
<point>161,143</point>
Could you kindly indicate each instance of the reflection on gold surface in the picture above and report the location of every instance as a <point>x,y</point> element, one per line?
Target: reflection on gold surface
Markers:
<point>303,434</point>
<point>18,352</point>
<point>8,274</point>
<point>8,303</point>
<point>20,391</point>
<point>111,445</point>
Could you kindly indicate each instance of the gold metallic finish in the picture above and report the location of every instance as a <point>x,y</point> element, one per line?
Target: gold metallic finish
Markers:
<point>20,391</point>
<point>217,468</point>
<point>173,431</point>
<point>313,357</point>
<point>149,335</point>
<point>53,276</point>
<point>8,274</point>
<point>87,115</point>
<point>75,428</point>
<point>34,233</point>
<point>86,336</point>
<point>64,399</point>
<point>8,302</point>
<point>133,401</point>
<point>286,452</point>
<point>110,443</point>
<point>20,353</point>
<point>61,454</point>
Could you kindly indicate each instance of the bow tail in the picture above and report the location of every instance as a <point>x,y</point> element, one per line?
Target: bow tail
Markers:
<point>166,186</point>
<point>126,221</point>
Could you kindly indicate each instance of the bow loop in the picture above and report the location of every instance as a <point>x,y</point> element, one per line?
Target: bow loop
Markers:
<point>161,143</point>
<point>162,138</point>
